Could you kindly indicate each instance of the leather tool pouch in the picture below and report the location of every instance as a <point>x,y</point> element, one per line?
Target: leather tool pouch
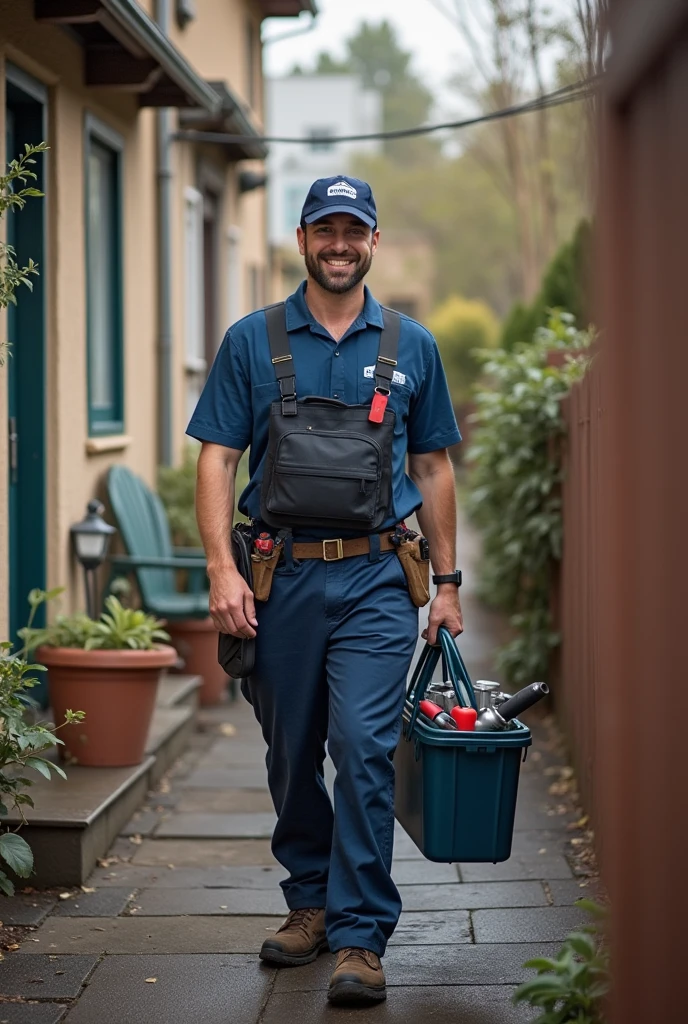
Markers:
<point>416,570</point>
<point>263,569</point>
<point>236,655</point>
<point>328,464</point>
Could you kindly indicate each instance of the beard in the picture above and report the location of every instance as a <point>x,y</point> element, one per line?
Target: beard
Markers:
<point>330,279</point>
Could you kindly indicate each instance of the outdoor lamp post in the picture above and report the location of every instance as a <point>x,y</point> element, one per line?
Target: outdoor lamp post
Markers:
<point>91,540</point>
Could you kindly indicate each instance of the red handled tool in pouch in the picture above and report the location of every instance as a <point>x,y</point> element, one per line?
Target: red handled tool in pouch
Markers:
<point>264,544</point>
<point>377,409</point>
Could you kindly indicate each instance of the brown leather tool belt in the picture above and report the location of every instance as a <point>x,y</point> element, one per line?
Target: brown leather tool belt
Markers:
<point>337,548</point>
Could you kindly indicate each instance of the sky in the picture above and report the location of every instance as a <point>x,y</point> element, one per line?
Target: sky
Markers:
<point>422,29</point>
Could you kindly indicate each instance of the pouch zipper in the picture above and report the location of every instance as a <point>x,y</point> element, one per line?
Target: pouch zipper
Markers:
<point>346,474</point>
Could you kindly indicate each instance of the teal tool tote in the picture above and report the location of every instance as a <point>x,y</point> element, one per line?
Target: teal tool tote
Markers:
<point>456,791</point>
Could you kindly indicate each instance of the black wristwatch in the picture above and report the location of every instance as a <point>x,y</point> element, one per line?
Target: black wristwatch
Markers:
<point>449,577</point>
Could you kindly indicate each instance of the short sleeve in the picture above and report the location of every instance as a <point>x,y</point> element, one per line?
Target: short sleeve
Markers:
<point>223,413</point>
<point>432,424</point>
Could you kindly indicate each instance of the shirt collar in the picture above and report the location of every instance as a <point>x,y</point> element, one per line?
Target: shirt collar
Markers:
<point>299,315</point>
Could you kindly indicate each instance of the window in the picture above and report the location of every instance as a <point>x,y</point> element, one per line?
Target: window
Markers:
<point>321,140</point>
<point>255,287</point>
<point>103,149</point>
<point>194,321</point>
<point>294,198</point>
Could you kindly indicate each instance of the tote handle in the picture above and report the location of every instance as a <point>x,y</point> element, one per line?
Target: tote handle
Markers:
<point>456,671</point>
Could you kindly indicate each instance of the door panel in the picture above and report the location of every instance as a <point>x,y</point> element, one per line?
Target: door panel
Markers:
<point>25,122</point>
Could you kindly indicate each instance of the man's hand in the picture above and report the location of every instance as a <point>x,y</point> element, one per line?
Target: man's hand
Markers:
<point>231,604</point>
<point>445,610</point>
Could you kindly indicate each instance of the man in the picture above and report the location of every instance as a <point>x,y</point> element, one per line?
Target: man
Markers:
<point>336,636</point>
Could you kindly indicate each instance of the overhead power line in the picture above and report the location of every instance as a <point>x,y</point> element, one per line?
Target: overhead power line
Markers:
<point>567,94</point>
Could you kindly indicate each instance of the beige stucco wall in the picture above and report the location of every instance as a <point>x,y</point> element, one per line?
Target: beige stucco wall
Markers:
<point>214,44</point>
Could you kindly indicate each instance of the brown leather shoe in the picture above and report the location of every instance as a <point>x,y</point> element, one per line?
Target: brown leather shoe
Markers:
<point>299,940</point>
<point>357,978</point>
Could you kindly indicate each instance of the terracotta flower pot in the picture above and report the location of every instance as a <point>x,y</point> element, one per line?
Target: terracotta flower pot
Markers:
<point>115,689</point>
<point>196,642</point>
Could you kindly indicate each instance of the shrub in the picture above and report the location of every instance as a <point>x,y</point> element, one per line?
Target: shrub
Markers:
<point>461,328</point>
<point>515,476</point>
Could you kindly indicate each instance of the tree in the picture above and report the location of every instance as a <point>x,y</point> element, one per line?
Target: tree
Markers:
<point>375,55</point>
<point>565,285</point>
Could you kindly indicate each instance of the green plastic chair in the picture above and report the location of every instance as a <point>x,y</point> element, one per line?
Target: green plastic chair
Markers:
<point>145,531</point>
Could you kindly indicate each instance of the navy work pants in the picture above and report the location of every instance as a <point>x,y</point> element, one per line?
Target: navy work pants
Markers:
<point>335,641</point>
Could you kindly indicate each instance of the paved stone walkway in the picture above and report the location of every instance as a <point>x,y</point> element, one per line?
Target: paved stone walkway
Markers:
<point>168,927</point>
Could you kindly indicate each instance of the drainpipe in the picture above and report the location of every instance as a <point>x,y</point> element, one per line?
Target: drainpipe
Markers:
<point>164,282</point>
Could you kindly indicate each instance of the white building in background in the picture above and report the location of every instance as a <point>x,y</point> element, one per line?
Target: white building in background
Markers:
<point>316,107</point>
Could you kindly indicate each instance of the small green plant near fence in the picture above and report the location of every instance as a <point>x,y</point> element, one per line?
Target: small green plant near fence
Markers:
<point>11,274</point>
<point>571,987</point>
<point>514,484</point>
<point>21,744</point>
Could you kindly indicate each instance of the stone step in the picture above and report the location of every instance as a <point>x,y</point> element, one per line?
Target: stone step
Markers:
<point>176,688</point>
<point>75,821</point>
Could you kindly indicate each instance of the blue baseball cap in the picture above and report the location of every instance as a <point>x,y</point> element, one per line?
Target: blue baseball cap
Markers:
<point>340,194</point>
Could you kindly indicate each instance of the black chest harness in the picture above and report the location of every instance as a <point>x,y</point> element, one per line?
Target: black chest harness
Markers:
<point>328,464</point>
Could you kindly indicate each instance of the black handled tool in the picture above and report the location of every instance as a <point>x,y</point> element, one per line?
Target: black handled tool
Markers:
<point>492,720</point>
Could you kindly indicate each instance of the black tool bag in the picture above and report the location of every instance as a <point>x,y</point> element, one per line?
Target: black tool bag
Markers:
<point>235,654</point>
<point>327,464</point>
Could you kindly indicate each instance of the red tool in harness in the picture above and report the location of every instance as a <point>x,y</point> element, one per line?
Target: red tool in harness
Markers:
<point>264,544</point>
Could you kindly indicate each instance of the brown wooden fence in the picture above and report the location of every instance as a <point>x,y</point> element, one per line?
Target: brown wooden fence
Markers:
<point>577,599</point>
<point>624,596</point>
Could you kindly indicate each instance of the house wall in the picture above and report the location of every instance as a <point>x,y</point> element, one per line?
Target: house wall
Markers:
<point>75,471</point>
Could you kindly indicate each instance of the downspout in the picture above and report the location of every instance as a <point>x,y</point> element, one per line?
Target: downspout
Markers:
<point>164,282</point>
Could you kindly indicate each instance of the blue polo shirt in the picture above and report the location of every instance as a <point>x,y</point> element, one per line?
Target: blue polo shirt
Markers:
<point>234,407</point>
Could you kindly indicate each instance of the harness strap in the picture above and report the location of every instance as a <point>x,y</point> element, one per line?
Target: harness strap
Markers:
<point>387,353</point>
<point>283,363</point>
<point>280,354</point>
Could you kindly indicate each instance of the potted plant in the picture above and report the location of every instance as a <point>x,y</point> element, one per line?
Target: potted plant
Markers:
<point>110,668</point>
<point>194,639</point>
<point>22,741</point>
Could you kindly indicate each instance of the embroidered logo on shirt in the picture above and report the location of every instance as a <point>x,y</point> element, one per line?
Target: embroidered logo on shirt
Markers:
<point>342,188</point>
<point>397,377</point>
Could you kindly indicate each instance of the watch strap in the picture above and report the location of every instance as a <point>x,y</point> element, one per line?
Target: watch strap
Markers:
<point>449,577</point>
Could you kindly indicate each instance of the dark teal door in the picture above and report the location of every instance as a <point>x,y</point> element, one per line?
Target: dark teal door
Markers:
<point>26,122</point>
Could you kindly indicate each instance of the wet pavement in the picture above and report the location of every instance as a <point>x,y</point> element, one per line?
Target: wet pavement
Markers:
<point>167,929</point>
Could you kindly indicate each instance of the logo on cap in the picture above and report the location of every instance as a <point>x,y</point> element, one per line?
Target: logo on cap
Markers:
<point>342,188</point>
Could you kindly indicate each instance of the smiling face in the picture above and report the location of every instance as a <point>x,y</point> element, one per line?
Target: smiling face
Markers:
<point>338,250</point>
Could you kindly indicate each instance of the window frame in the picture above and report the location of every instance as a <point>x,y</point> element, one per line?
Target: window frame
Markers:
<point>102,423</point>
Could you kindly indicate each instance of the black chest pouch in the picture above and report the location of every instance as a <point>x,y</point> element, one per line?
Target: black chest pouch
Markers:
<point>328,464</point>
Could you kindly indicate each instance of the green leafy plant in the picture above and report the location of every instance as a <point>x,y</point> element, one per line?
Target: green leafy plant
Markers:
<point>570,988</point>
<point>515,477</point>
<point>177,490</point>
<point>117,629</point>
<point>11,274</point>
<point>22,741</point>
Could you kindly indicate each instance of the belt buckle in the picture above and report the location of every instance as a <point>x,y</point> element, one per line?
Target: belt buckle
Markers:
<point>340,550</point>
